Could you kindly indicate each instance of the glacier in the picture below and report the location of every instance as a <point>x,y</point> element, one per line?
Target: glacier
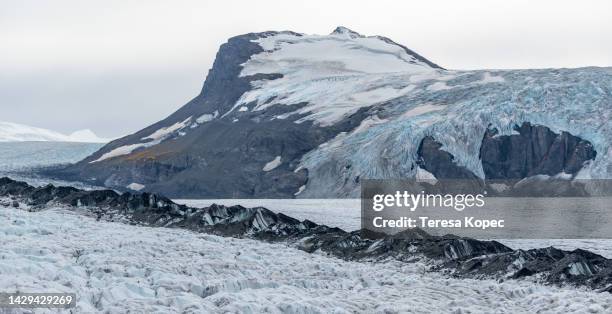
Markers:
<point>576,101</point>
<point>120,268</point>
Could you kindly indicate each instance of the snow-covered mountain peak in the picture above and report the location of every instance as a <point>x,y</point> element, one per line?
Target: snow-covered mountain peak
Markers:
<point>13,132</point>
<point>86,136</point>
<point>335,74</point>
<point>340,53</point>
<point>341,30</point>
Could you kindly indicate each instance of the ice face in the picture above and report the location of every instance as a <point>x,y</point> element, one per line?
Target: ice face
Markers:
<point>577,101</point>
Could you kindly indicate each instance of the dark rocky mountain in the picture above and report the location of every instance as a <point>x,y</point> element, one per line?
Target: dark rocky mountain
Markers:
<point>285,115</point>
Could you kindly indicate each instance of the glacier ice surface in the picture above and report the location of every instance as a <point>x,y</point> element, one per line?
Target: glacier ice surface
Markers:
<point>119,268</point>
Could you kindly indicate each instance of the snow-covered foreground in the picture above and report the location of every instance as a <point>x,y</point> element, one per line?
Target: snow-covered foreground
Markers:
<point>117,268</point>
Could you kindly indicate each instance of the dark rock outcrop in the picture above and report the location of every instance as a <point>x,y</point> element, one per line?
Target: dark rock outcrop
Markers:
<point>521,161</point>
<point>439,162</point>
<point>535,150</point>
<point>464,257</point>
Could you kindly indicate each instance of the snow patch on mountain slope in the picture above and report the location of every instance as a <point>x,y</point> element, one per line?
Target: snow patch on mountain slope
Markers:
<point>123,150</point>
<point>300,190</point>
<point>118,268</point>
<point>155,137</point>
<point>13,132</point>
<point>335,53</point>
<point>272,164</point>
<point>163,133</point>
<point>207,117</point>
<point>335,74</point>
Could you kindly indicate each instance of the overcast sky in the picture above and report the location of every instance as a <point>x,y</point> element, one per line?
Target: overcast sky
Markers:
<point>117,66</point>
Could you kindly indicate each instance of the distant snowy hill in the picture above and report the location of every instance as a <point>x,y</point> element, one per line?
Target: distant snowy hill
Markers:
<point>13,132</point>
<point>284,114</point>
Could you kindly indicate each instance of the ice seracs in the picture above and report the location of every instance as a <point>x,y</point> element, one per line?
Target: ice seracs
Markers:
<point>458,111</point>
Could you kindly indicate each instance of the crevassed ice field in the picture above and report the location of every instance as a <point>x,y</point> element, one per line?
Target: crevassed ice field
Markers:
<point>119,268</point>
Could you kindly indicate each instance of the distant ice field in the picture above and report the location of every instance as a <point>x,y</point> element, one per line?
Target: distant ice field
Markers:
<point>17,159</point>
<point>19,156</point>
